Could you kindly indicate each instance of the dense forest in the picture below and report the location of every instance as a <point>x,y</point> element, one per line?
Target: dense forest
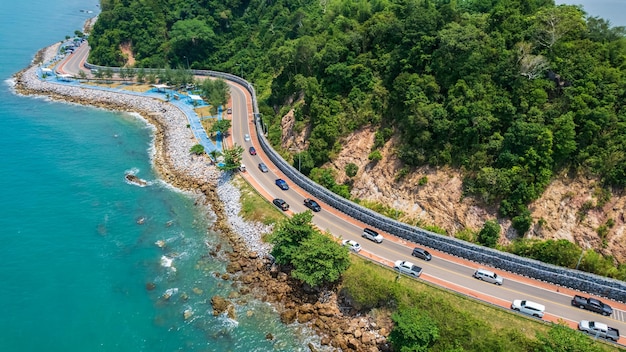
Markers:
<point>512,92</point>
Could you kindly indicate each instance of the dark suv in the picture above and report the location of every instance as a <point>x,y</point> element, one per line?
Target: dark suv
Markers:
<point>311,204</point>
<point>421,253</point>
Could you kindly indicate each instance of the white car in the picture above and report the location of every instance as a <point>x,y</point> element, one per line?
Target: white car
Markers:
<point>408,268</point>
<point>528,307</point>
<point>352,245</point>
<point>246,137</point>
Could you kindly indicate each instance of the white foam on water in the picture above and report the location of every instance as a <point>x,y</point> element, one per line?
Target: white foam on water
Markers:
<point>166,261</point>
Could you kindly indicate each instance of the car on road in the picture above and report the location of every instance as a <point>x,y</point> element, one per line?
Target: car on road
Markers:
<point>488,276</point>
<point>528,307</point>
<point>282,184</point>
<point>263,167</point>
<point>592,304</point>
<point>352,245</point>
<point>246,137</point>
<point>372,235</point>
<point>252,151</point>
<point>311,204</point>
<point>281,204</point>
<point>408,268</point>
<point>421,253</point>
<point>597,329</point>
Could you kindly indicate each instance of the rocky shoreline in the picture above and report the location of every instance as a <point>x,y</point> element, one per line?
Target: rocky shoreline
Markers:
<point>248,266</point>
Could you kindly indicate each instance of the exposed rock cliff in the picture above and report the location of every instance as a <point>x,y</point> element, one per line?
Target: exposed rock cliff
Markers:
<point>570,208</point>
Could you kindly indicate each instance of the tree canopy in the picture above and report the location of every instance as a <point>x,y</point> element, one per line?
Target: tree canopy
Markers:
<point>315,257</point>
<point>511,92</point>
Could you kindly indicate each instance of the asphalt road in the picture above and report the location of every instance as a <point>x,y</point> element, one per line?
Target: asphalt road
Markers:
<point>443,270</point>
<point>557,304</point>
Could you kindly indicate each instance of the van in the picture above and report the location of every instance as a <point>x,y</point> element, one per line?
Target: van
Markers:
<point>372,235</point>
<point>488,276</point>
<point>528,307</point>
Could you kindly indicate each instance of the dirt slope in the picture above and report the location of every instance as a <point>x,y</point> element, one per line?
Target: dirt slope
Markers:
<point>568,209</point>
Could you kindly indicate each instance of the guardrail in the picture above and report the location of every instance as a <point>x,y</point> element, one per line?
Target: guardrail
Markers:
<point>581,281</point>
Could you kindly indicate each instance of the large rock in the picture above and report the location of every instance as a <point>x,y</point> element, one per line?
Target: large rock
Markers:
<point>288,316</point>
<point>220,305</point>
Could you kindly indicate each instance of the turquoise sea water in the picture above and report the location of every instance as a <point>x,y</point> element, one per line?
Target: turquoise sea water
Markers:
<point>74,261</point>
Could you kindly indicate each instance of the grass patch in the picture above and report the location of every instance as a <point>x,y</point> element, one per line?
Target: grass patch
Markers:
<point>254,207</point>
<point>141,88</point>
<point>204,111</point>
<point>464,324</point>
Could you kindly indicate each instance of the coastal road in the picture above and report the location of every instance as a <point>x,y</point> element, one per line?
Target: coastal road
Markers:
<point>444,270</point>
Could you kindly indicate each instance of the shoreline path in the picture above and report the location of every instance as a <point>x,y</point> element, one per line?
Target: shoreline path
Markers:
<point>178,141</point>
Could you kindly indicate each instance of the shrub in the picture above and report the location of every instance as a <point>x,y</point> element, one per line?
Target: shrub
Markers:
<point>197,149</point>
<point>489,234</point>
<point>375,156</point>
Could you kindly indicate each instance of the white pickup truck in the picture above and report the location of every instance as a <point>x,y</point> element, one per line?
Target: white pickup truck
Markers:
<point>407,268</point>
<point>598,330</point>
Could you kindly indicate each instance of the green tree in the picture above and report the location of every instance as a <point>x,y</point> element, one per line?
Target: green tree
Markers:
<point>288,235</point>
<point>215,91</point>
<point>141,75</point>
<point>221,126</point>
<point>214,154</point>
<point>489,234</point>
<point>232,158</point>
<point>351,169</point>
<point>197,149</point>
<point>414,330</point>
<point>319,260</point>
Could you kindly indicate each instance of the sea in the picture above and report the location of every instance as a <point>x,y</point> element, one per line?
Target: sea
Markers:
<point>80,268</point>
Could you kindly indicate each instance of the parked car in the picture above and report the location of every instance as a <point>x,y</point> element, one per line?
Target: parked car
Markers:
<point>592,304</point>
<point>528,307</point>
<point>352,245</point>
<point>421,253</point>
<point>311,204</point>
<point>372,235</point>
<point>246,137</point>
<point>229,111</point>
<point>252,151</point>
<point>281,204</point>
<point>488,276</point>
<point>263,167</point>
<point>282,184</point>
<point>408,268</point>
<point>599,330</point>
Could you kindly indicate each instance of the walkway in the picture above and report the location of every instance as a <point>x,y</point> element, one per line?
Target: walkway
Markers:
<point>182,104</point>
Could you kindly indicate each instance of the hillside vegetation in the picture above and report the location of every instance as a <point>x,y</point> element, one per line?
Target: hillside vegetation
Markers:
<point>511,92</point>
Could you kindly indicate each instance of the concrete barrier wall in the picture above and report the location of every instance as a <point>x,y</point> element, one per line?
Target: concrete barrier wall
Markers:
<point>593,284</point>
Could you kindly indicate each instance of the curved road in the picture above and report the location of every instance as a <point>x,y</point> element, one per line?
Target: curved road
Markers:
<point>444,270</point>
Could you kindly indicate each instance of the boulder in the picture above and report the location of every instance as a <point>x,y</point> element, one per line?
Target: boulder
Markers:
<point>288,316</point>
<point>220,305</point>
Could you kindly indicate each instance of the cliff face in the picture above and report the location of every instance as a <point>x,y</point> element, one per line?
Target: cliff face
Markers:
<point>570,208</point>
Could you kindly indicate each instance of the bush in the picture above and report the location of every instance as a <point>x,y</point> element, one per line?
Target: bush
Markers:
<point>489,234</point>
<point>197,149</point>
<point>375,156</point>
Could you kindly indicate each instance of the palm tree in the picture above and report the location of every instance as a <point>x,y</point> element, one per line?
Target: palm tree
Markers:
<point>214,154</point>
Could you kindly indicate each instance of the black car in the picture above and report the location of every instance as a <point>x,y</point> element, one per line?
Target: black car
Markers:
<point>281,204</point>
<point>263,167</point>
<point>282,184</point>
<point>311,204</point>
<point>252,151</point>
<point>421,253</point>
